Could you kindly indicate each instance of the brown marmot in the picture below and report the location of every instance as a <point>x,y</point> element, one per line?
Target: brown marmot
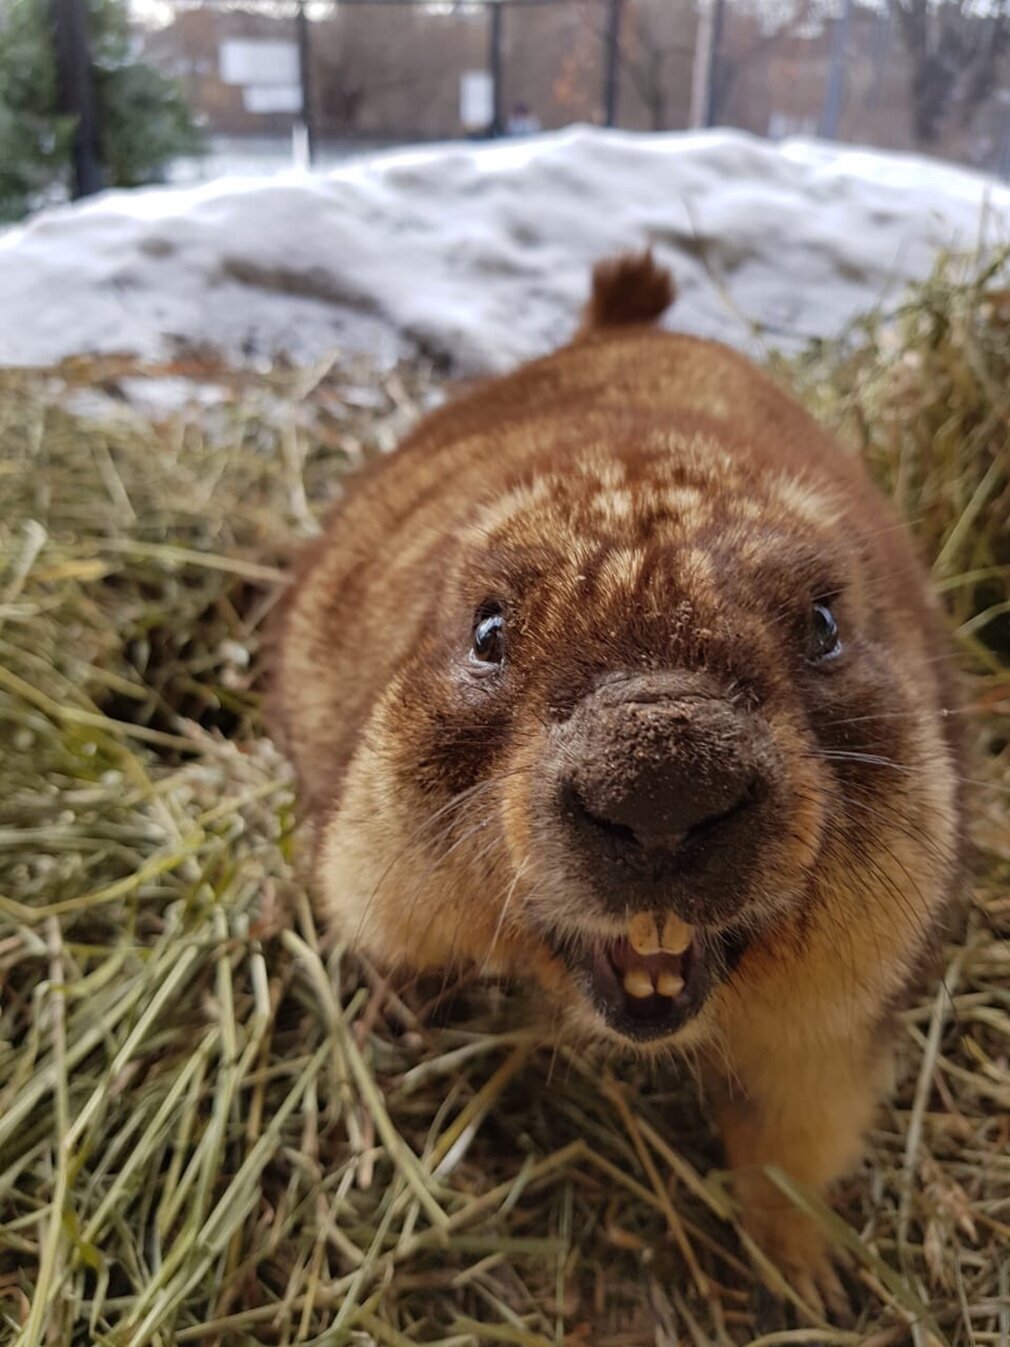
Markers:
<point>619,675</point>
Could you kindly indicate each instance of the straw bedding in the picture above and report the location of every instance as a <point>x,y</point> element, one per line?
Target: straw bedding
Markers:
<point>216,1127</point>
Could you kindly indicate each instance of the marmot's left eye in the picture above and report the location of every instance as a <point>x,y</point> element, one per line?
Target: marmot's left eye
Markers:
<point>489,640</point>
<point>823,641</point>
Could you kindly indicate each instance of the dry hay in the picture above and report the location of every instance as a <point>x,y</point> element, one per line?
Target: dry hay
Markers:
<point>215,1128</point>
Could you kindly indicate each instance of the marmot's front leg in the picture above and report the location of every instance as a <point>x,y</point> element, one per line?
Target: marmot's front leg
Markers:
<point>803,1106</point>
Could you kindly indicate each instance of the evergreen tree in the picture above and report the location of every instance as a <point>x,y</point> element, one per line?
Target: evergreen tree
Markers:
<point>143,119</point>
<point>34,140</point>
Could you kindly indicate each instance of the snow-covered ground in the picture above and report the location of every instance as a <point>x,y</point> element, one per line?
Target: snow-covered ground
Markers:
<point>261,157</point>
<point>481,253</point>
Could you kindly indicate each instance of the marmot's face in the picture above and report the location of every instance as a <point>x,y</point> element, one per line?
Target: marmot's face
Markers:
<point>657,711</point>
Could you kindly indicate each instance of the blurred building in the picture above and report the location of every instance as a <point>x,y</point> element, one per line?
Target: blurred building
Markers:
<point>402,71</point>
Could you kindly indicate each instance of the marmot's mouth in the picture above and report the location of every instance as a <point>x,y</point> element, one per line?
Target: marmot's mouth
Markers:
<point>645,985</point>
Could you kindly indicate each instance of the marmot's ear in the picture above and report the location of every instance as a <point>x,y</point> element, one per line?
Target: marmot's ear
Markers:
<point>632,288</point>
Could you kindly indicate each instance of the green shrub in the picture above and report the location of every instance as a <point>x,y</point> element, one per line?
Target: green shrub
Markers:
<point>143,119</point>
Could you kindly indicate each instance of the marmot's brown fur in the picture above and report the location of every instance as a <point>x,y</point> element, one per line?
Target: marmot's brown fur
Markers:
<point>620,676</point>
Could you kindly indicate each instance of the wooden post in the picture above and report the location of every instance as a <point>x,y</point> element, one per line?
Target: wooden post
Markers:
<point>612,62</point>
<point>705,75</point>
<point>75,93</point>
<point>308,116</point>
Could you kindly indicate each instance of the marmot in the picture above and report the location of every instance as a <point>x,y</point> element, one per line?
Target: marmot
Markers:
<point>619,675</point>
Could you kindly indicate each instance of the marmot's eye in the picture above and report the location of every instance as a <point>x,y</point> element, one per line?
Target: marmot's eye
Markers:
<point>823,641</point>
<point>489,640</point>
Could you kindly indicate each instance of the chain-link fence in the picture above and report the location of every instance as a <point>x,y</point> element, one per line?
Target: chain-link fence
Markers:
<point>398,69</point>
<point>394,70</point>
<point>897,74</point>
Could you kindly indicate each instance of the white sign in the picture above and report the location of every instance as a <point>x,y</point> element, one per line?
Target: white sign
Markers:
<point>476,99</point>
<point>272,98</point>
<point>258,61</point>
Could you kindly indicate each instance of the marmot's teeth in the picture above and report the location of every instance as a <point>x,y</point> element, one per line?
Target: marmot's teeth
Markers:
<point>669,984</point>
<point>677,935</point>
<point>642,934</point>
<point>637,983</point>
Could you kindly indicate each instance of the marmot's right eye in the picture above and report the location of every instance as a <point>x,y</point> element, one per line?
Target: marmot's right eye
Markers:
<point>823,640</point>
<point>489,640</point>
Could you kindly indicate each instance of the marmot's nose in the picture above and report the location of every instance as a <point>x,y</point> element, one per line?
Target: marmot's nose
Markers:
<point>662,776</point>
<point>663,806</point>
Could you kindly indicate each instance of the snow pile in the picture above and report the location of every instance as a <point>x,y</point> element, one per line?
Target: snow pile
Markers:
<point>480,254</point>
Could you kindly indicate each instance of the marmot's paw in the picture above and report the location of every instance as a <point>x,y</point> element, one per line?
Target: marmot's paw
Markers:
<point>796,1246</point>
<point>819,1286</point>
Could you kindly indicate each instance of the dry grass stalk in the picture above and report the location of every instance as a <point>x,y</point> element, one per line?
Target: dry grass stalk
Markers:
<point>215,1128</point>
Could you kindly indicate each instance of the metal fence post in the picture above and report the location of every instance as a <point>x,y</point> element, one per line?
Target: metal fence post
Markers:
<point>75,92</point>
<point>494,60</point>
<point>612,62</point>
<point>308,116</point>
<point>834,94</point>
